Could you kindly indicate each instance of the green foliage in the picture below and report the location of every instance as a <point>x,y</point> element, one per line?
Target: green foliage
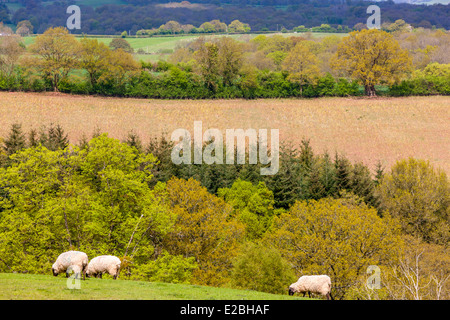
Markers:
<point>95,199</point>
<point>167,268</point>
<point>434,79</point>
<point>120,43</point>
<point>252,205</point>
<point>202,230</point>
<point>323,28</point>
<point>273,66</point>
<point>220,225</point>
<point>262,268</point>
<point>418,195</point>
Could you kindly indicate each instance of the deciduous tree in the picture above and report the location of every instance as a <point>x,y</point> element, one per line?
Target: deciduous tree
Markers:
<point>57,54</point>
<point>202,230</point>
<point>302,65</point>
<point>371,56</point>
<point>335,237</point>
<point>419,196</point>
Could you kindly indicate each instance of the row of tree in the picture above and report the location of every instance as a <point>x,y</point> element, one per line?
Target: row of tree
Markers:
<point>221,67</point>
<point>104,195</point>
<point>213,26</point>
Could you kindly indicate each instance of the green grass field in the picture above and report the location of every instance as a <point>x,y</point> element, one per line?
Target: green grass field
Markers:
<point>153,46</point>
<point>47,287</point>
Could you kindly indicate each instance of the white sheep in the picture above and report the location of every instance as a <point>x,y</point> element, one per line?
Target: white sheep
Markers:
<point>102,264</point>
<point>320,284</point>
<point>71,260</point>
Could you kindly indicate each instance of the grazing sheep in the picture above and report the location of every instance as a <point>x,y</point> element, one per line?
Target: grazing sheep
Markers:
<point>71,260</point>
<point>320,284</point>
<point>102,264</point>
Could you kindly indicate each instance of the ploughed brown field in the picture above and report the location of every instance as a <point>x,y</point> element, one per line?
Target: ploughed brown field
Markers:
<point>366,130</point>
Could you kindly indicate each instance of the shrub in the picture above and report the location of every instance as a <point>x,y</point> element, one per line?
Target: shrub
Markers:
<point>167,268</point>
<point>260,268</point>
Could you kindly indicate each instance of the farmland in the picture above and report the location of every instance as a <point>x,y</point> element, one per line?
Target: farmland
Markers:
<point>367,130</point>
<point>361,180</point>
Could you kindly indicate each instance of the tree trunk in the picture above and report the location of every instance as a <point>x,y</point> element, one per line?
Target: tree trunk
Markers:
<point>370,90</point>
<point>55,83</point>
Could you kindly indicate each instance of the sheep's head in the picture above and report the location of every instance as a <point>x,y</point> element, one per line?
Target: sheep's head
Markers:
<point>55,270</point>
<point>291,291</point>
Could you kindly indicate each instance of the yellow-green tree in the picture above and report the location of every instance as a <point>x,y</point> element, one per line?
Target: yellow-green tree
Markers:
<point>371,57</point>
<point>94,58</point>
<point>120,66</point>
<point>252,205</point>
<point>302,65</point>
<point>230,58</point>
<point>57,54</point>
<point>419,195</point>
<point>202,230</point>
<point>336,237</point>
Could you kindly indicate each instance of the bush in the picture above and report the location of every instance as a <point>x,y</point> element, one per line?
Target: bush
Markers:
<point>167,268</point>
<point>434,79</point>
<point>260,268</point>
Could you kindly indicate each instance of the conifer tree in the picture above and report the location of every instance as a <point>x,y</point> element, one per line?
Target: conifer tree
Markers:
<point>33,140</point>
<point>15,141</point>
<point>328,175</point>
<point>133,140</point>
<point>343,172</point>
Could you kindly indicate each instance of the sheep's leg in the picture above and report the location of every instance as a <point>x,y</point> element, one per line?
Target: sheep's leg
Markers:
<point>304,294</point>
<point>328,296</point>
<point>84,272</point>
<point>309,294</point>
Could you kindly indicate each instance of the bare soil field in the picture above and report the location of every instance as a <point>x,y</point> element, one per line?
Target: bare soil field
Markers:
<point>365,130</point>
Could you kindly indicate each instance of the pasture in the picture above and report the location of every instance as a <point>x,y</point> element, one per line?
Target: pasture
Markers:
<point>46,287</point>
<point>159,47</point>
<point>364,130</point>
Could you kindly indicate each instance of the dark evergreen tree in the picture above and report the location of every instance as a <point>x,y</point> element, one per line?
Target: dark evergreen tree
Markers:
<point>362,184</point>
<point>379,173</point>
<point>289,183</point>
<point>306,154</point>
<point>343,172</point>
<point>57,138</point>
<point>15,141</point>
<point>33,140</point>
<point>328,175</point>
<point>133,140</point>
<point>316,189</point>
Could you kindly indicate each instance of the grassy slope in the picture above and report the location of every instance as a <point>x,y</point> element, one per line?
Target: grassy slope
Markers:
<point>45,287</point>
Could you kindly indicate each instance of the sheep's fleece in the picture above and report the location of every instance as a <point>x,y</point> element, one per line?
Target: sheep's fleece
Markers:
<point>102,264</point>
<point>70,260</point>
<point>320,284</point>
